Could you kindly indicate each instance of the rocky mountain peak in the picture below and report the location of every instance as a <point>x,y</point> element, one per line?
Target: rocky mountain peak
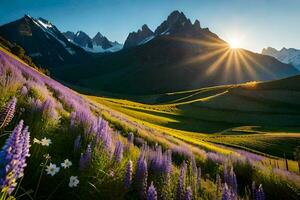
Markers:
<point>135,38</point>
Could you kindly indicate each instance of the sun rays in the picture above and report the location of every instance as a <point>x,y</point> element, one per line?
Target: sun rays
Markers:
<point>215,55</point>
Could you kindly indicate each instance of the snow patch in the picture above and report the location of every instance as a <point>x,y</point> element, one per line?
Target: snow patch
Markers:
<point>147,39</point>
<point>35,54</point>
<point>70,50</point>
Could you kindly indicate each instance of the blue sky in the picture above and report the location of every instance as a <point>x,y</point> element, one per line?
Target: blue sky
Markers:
<point>253,23</point>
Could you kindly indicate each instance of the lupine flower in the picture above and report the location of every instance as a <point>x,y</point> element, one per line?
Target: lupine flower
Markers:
<point>233,181</point>
<point>226,193</point>
<point>72,119</point>
<point>152,194</point>
<point>198,180</point>
<point>24,90</point>
<point>73,181</point>
<point>130,138</point>
<point>258,194</point>
<point>181,182</point>
<point>13,158</point>
<point>85,158</point>
<point>25,151</point>
<point>142,176</point>
<point>188,193</point>
<point>52,169</point>
<point>66,164</point>
<point>118,153</point>
<point>7,113</point>
<point>218,186</point>
<point>46,142</point>
<point>128,175</point>
<point>77,143</point>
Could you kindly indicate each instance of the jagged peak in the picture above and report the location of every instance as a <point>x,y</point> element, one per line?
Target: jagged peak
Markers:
<point>197,23</point>
<point>98,35</point>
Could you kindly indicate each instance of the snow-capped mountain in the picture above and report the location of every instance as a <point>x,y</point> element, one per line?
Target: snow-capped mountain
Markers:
<point>42,41</point>
<point>288,56</point>
<point>97,44</point>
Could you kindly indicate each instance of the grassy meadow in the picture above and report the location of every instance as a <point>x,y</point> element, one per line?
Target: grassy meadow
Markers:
<point>260,117</point>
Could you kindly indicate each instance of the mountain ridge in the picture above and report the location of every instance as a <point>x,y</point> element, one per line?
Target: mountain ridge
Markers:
<point>42,41</point>
<point>97,44</point>
<point>285,55</point>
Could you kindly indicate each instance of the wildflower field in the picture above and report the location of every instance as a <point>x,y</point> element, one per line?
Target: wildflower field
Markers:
<point>58,144</point>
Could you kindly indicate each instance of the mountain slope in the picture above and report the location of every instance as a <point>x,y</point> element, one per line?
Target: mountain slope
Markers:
<point>42,41</point>
<point>181,56</point>
<point>288,56</point>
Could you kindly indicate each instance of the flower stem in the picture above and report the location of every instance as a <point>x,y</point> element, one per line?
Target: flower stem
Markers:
<point>40,178</point>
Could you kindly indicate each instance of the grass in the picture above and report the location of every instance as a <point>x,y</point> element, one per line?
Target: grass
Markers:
<point>260,117</point>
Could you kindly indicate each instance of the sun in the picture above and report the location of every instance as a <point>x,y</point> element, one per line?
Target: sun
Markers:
<point>234,43</point>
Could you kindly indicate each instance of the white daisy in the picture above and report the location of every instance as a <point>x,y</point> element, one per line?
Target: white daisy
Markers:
<point>73,181</point>
<point>66,164</point>
<point>52,169</point>
<point>45,142</point>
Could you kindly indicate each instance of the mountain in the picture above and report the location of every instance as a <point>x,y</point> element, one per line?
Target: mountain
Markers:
<point>181,55</point>
<point>97,44</point>
<point>141,36</point>
<point>175,23</point>
<point>83,40</point>
<point>42,41</point>
<point>288,56</point>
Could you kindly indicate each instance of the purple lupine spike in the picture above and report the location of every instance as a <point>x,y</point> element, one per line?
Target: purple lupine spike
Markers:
<point>128,174</point>
<point>77,143</point>
<point>72,119</point>
<point>130,138</point>
<point>253,190</point>
<point>181,182</point>
<point>226,175</point>
<point>218,186</point>
<point>7,113</point>
<point>85,158</point>
<point>259,194</point>
<point>198,180</point>
<point>25,151</point>
<point>142,176</point>
<point>188,193</point>
<point>118,153</point>
<point>232,181</point>
<point>107,142</point>
<point>151,194</point>
<point>24,90</point>
<point>226,193</point>
<point>13,158</point>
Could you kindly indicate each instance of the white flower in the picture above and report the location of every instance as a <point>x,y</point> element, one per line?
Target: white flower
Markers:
<point>52,169</point>
<point>45,142</point>
<point>36,141</point>
<point>73,181</point>
<point>66,164</point>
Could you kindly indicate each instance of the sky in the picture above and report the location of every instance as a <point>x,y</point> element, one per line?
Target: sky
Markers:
<point>251,24</point>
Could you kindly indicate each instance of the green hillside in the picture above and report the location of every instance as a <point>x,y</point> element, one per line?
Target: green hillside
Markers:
<point>267,107</point>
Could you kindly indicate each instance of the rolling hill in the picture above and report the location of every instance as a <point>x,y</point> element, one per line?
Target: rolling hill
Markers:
<point>267,111</point>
